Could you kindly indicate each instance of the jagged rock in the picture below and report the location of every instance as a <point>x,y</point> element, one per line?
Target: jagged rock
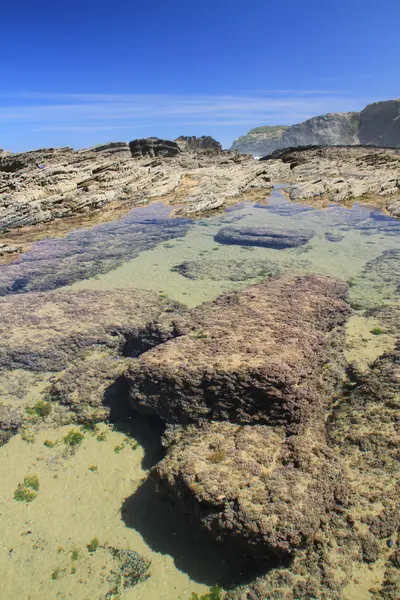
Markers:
<point>198,144</point>
<point>10,421</point>
<point>342,174</point>
<point>153,147</point>
<point>264,237</point>
<point>255,356</point>
<point>44,185</point>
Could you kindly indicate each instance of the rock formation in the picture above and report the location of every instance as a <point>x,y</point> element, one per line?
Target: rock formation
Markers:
<point>204,143</point>
<point>264,237</point>
<point>256,371</point>
<point>342,174</point>
<point>153,147</point>
<point>377,125</point>
<point>43,185</point>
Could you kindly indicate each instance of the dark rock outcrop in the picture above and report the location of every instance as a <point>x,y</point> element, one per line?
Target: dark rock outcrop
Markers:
<point>264,237</point>
<point>205,143</point>
<point>153,147</point>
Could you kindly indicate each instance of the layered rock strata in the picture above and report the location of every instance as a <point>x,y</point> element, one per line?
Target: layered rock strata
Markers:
<point>44,185</point>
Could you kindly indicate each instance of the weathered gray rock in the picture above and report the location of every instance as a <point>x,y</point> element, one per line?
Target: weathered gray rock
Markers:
<point>380,124</point>
<point>264,237</point>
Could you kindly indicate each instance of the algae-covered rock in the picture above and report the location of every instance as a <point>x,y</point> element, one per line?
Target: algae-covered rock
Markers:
<point>251,485</point>
<point>264,237</point>
<point>267,354</point>
<point>232,270</point>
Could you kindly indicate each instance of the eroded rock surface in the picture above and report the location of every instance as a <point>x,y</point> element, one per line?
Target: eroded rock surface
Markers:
<point>342,174</point>
<point>256,369</point>
<point>153,147</point>
<point>264,237</point>
<point>253,356</point>
<point>43,185</point>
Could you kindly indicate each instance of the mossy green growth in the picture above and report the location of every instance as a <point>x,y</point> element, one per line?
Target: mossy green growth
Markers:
<point>90,427</point>
<point>377,331</point>
<point>73,438</point>
<point>132,569</point>
<point>101,437</point>
<point>215,593</point>
<point>118,449</point>
<point>93,545</point>
<point>23,494</point>
<point>40,410</point>
<point>32,481</point>
<point>74,554</point>
<point>27,491</point>
<point>49,444</point>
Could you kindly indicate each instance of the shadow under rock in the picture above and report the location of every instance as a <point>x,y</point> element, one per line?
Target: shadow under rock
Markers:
<point>168,531</point>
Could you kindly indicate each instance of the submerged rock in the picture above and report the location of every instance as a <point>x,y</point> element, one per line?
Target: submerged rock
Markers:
<point>232,270</point>
<point>263,236</point>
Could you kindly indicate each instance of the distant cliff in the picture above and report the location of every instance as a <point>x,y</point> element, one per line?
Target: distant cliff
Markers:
<point>378,124</point>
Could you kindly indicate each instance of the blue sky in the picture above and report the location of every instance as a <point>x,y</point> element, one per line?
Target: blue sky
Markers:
<point>83,72</point>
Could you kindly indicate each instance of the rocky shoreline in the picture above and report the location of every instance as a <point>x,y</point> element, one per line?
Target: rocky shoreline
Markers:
<point>272,442</point>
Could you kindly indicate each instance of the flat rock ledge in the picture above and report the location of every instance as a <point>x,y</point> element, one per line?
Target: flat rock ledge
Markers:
<point>244,388</point>
<point>264,237</point>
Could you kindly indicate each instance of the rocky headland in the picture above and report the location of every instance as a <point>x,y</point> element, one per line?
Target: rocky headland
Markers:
<point>377,125</point>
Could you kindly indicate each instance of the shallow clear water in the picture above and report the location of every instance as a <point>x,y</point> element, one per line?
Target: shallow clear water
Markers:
<point>142,249</point>
<point>146,249</point>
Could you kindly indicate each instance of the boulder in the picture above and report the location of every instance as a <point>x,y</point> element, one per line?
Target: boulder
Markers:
<point>205,143</point>
<point>264,237</point>
<point>267,354</point>
<point>250,485</point>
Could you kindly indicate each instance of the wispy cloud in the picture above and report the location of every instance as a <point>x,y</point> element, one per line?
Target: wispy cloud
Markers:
<point>106,110</point>
<point>61,117</point>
